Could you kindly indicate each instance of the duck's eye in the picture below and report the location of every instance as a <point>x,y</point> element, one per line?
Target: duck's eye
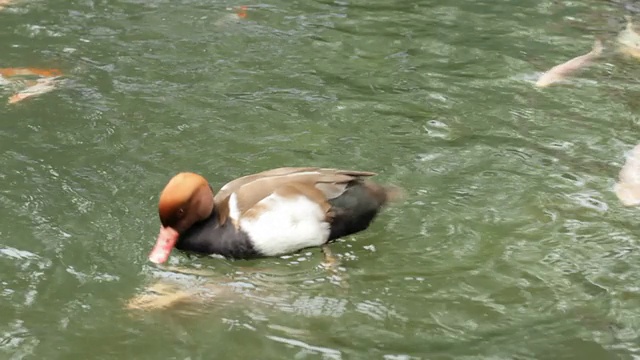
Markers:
<point>180,212</point>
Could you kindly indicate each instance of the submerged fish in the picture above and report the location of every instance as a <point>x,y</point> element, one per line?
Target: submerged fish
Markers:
<point>239,12</point>
<point>4,3</point>
<point>563,70</point>
<point>628,187</point>
<point>628,36</point>
<point>48,79</point>
<point>10,72</point>
<point>629,40</point>
<point>41,86</point>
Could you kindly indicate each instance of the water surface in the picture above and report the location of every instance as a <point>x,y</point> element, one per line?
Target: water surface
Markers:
<point>510,243</point>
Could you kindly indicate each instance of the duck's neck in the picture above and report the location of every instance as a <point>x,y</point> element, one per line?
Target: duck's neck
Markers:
<point>217,235</point>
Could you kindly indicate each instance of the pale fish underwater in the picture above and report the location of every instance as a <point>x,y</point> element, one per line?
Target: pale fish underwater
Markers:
<point>46,81</point>
<point>41,86</point>
<point>560,72</point>
<point>629,40</point>
<point>4,3</point>
<point>628,187</point>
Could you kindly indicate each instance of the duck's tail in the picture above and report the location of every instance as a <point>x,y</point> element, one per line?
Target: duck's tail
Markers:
<point>393,194</point>
<point>384,194</point>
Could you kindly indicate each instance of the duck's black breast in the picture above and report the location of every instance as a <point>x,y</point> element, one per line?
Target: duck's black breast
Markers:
<point>211,237</point>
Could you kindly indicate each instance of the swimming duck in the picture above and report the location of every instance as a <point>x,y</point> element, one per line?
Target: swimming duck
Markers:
<point>270,213</point>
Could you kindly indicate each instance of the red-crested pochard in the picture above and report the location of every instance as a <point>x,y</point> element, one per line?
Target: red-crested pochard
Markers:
<point>271,213</point>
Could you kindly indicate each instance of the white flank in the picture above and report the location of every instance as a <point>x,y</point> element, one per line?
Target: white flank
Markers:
<point>234,212</point>
<point>286,225</point>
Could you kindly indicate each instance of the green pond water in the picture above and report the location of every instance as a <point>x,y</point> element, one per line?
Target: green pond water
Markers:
<point>510,242</point>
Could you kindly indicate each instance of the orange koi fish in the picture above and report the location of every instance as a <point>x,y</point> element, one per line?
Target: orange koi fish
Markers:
<point>239,12</point>
<point>9,72</point>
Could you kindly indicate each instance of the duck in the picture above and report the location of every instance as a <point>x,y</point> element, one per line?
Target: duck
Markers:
<point>266,214</point>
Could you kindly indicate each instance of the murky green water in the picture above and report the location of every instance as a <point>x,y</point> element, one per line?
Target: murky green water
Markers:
<point>510,244</point>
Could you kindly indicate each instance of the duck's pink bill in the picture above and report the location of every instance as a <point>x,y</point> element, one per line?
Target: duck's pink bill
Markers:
<point>166,241</point>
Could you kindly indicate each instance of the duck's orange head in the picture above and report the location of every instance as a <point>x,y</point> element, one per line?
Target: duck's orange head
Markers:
<point>185,200</point>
